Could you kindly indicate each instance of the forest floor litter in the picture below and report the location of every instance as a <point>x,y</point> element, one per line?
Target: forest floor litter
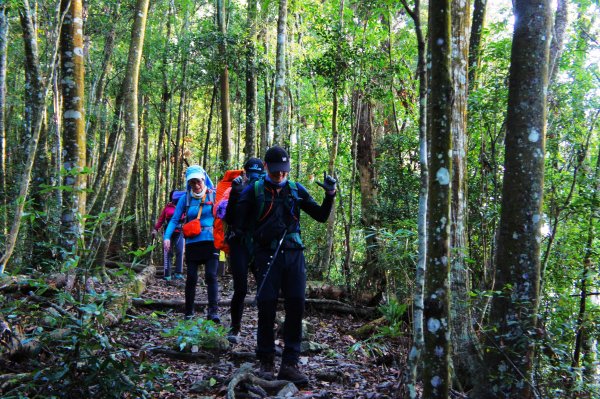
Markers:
<point>338,365</point>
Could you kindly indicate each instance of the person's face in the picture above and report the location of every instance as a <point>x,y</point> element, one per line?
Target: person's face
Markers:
<point>197,185</point>
<point>277,177</point>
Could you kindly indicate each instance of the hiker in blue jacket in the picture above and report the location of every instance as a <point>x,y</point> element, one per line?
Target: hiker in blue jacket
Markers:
<point>199,249</point>
<point>271,210</point>
<point>240,245</point>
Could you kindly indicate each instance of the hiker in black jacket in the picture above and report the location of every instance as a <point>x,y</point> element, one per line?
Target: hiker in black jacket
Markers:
<point>271,211</point>
<point>240,245</point>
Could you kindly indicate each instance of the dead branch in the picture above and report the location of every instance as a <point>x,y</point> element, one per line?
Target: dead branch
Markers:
<point>322,305</point>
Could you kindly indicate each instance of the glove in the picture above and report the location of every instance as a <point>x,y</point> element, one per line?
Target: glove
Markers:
<point>328,183</point>
<point>237,185</point>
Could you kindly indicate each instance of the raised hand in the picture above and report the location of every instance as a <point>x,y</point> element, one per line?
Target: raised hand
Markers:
<point>328,183</point>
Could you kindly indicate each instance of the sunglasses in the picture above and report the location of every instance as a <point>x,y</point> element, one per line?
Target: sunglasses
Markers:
<point>195,182</point>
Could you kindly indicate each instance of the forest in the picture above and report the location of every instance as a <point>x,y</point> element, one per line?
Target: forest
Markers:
<point>461,256</point>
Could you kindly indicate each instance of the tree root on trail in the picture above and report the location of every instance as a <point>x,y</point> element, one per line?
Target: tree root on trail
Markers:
<point>201,356</point>
<point>245,375</point>
<point>322,305</point>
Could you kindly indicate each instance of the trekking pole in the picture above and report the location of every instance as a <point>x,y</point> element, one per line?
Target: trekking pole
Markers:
<point>271,262</point>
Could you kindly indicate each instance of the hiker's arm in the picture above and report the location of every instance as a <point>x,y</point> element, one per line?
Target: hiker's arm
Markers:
<point>318,212</point>
<point>161,219</point>
<point>175,218</point>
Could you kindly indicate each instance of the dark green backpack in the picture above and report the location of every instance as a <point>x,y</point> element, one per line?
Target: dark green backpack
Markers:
<point>259,194</point>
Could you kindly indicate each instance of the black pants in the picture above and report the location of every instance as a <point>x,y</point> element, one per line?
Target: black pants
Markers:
<point>287,274</point>
<point>212,285</point>
<point>239,258</point>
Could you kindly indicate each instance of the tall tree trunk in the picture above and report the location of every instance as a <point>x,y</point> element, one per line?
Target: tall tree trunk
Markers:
<point>582,331</point>
<point>418,300</point>
<point>178,147</point>
<point>4,29</point>
<point>558,36</point>
<point>146,221</point>
<point>280,91</point>
<point>365,162</point>
<point>96,111</point>
<point>124,163</point>
<point>436,356</point>
<point>74,140</point>
<point>36,92</point>
<point>209,125</point>
<point>163,123</point>
<point>251,82</point>
<point>465,358</point>
<point>513,315</point>
<point>475,40</point>
<point>226,142</point>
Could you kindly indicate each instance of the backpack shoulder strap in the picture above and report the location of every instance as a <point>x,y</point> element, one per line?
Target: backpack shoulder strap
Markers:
<point>294,190</point>
<point>259,195</point>
<point>187,204</point>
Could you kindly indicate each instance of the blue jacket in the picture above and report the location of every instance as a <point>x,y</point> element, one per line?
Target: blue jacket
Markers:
<point>206,218</point>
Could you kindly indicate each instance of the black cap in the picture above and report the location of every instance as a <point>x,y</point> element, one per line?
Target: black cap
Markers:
<point>254,165</point>
<point>277,159</point>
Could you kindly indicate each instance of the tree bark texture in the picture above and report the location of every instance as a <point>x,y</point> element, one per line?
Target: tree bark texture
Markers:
<point>436,355</point>
<point>36,93</point>
<point>74,140</point>
<point>226,142</point>
<point>558,36</point>
<point>96,113</point>
<point>280,91</point>
<point>513,315</point>
<point>479,7</point>
<point>4,29</point>
<point>126,159</point>
<point>365,162</point>
<point>251,83</point>
<point>465,361</point>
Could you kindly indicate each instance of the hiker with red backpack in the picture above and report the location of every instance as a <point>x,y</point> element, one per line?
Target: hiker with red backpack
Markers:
<point>197,204</point>
<point>176,238</point>
<point>270,209</point>
<point>240,245</point>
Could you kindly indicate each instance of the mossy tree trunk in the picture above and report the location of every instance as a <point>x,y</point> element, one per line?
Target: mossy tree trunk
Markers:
<point>510,344</point>
<point>126,159</point>
<point>74,140</point>
<point>280,90</point>
<point>36,92</point>
<point>251,82</point>
<point>4,29</point>
<point>436,312</point>
<point>226,143</point>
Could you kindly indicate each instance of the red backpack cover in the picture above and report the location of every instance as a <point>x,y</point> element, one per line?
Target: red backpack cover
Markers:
<point>223,187</point>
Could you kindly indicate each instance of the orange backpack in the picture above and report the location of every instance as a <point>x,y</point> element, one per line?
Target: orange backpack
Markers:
<point>223,190</point>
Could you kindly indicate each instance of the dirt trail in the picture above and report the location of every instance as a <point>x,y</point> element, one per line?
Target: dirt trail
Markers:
<point>334,372</point>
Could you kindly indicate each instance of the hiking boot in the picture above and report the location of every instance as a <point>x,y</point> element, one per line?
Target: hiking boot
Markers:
<point>266,370</point>
<point>178,276</point>
<point>291,373</point>
<point>233,336</point>
<point>214,317</point>
<point>167,278</point>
